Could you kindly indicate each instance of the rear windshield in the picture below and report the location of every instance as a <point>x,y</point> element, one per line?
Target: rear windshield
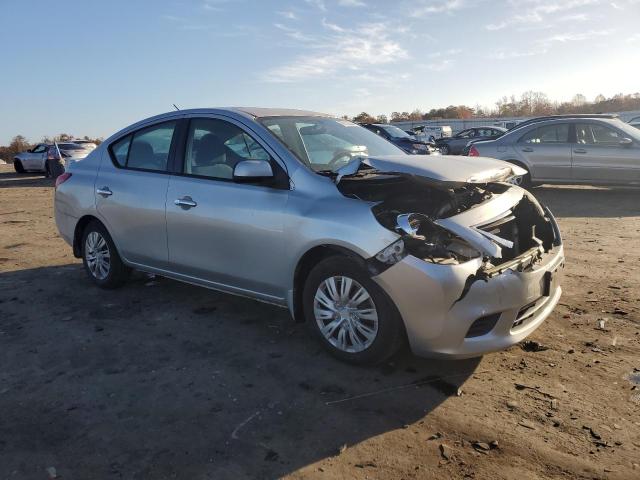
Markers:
<point>70,146</point>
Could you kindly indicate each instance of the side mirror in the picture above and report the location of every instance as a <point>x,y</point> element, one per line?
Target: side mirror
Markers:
<point>252,170</point>
<point>625,142</point>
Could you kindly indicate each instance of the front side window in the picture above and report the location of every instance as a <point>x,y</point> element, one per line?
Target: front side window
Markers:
<point>214,147</point>
<point>146,149</point>
<point>466,134</point>
<point>323,143</point>
<point>594,134</point>
<point>547,134</point>
<point>39,149</point>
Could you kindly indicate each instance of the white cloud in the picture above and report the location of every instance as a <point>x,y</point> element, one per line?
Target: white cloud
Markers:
<point>441,66</point>
<point>528,12</point>
<point>342,51</point>
<point>575,36</point>
<point>423,8</point>
<point>293,33</point>
<point>634,38</point>
<point>288,14</point>
<point>446,53</point>
<point>511,54</point>
<point>318,4</point>
<point>351,3</point>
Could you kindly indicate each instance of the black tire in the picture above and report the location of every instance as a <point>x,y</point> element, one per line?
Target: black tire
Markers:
<point>17,165</point>
<point>390,336</point>
<point>445,149</point>
<point>117,272</point>
<point>47,169</point>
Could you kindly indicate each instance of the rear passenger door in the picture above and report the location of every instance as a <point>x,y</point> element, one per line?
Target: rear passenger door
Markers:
<point>547,151</point>
<point>131,190</point>
<point>599,157</point>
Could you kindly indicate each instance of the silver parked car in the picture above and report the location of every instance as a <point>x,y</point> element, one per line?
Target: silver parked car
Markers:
<point>598,149</point>
<point>456,144</point>
<point>39,158</point>
<point>369,245</point>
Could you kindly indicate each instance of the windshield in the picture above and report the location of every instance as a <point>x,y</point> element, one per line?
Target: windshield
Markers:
<point>630,130</point>
<point>395,132</point>
<point>324,143</point>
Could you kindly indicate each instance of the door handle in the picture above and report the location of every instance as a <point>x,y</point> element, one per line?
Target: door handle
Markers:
<point>185,202</point>
<point>579,150</point>
<point>528,149</point>
<point>104,191</point>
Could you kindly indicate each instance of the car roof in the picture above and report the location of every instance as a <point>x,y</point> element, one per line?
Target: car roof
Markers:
<point>259,112</point>
<point>594,116</point>
<point>496,127</point>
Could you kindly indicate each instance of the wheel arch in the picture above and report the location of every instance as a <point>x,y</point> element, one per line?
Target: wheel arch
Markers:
<point>306,262</point>
<point>79,230</point>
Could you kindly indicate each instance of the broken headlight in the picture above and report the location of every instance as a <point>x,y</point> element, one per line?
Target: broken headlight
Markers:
<point>432,243</point>
<point>392,254</point>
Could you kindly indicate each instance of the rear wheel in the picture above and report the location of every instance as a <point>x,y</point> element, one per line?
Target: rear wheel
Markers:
<point>17,165</point>
<point>352,316</point>
<point>100,257</point>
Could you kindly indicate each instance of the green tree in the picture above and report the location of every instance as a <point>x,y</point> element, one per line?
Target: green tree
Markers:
<point>364,117</point>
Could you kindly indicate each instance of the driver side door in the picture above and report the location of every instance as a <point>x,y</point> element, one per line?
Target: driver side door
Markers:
<point>34,160</point>
<point>221,233</point>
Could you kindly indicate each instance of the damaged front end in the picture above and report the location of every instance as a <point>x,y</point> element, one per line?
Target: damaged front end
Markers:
<point>449,223</point>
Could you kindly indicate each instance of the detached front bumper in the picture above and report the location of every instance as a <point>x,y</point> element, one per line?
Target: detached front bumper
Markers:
<point>493,314</point>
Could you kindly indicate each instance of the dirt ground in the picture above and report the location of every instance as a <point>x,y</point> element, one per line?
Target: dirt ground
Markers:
<point>164,380</point>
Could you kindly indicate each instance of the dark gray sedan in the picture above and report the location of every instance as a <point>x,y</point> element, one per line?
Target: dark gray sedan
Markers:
<point>455,145</point>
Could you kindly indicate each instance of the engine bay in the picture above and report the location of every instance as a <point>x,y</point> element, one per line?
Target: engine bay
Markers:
<point>411,206</point>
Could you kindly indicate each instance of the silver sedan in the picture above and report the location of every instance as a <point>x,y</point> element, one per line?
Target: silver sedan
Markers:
<point>598,149</point>
<point>370,246</point>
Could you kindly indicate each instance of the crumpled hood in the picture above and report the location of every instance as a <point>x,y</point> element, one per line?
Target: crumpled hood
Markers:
<point>441,168</point>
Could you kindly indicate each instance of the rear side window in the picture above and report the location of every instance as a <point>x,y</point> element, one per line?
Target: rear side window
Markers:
<point>146,149</point>
<point>594,134</point>
<point>120,149</point>
<point>547,134</point>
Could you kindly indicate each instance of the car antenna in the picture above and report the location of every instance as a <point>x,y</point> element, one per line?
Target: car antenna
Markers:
<point>175,106</point>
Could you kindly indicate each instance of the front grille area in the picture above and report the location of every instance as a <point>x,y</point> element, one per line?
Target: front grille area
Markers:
<point>483,325</point>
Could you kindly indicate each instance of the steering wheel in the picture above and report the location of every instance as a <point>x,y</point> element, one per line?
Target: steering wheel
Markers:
<point>337,156</point>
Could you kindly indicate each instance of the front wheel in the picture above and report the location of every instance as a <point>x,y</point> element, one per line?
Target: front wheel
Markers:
<point>445,149</point>
<point>352,316</point>
<point>100,257</point>
<point>17,165</point>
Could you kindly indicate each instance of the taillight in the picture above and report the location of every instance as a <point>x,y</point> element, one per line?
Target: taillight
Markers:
<point>473,151</point>
<point>62,178</point>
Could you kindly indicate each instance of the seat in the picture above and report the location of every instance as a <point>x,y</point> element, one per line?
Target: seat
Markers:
<point>210,158</point>
<point>142,155</point>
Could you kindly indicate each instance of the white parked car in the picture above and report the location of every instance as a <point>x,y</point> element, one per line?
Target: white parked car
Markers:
<point>38,158</point>
<point>430,133</point>
<point>87,144</point>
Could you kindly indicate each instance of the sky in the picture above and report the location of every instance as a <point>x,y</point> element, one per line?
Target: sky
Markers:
<point>89,67</point>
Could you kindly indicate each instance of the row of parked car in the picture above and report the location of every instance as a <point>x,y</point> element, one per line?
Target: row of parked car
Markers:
<point>45,157</point>
<point>596,149</point>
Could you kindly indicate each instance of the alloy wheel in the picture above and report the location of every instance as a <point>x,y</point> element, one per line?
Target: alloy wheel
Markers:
<point>345,314</point>
<point>97,255</point>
